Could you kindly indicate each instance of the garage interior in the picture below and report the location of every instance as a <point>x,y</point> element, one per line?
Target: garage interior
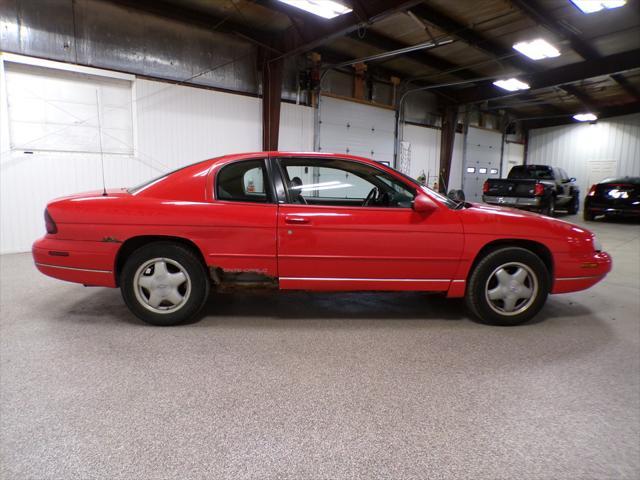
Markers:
<point>302,385</point>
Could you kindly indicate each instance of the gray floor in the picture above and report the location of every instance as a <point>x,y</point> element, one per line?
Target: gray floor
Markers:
<point>321,386</point>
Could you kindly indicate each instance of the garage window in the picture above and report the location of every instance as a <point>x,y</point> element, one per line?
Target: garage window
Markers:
<point>243,182</point>
<point>62,111</point>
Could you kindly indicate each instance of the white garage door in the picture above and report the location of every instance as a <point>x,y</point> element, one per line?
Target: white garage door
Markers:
<point>481,161</point>
<point>356,129</point>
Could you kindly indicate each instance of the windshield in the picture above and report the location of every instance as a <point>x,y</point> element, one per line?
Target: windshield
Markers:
<point>528,172</point>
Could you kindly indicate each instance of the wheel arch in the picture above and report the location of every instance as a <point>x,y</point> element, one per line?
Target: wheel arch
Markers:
<point>132,244</point>
<point>537,248</point>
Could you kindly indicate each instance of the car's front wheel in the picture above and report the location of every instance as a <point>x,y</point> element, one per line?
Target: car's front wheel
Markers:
<point>507,287</point>
<point>164,283</point>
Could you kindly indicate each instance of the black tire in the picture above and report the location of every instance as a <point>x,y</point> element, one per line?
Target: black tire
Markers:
<point>178,261</point>
<point>510,259</point>
<point>574,206</point>
<point>588,215</point>
<point>550,208</point>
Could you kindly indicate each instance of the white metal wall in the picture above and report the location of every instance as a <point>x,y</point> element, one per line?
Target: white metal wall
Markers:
<point>575,147</point>
<point>174,126</point>
<point>513,155</point>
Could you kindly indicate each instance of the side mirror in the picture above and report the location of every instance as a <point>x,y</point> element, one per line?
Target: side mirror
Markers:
<point>572,179</point>
<point>423,204</point>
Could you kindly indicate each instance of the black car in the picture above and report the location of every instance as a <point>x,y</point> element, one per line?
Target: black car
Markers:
<point>618,197</point>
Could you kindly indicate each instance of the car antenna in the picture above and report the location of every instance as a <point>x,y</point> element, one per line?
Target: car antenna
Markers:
<point>104,185</point>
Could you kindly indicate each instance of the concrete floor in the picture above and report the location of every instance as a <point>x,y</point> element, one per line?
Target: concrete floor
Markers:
<point>308,386</point>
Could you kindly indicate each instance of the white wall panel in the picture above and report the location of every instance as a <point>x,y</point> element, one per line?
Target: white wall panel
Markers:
<point>513,155</point>
<point>574,147</point>
<point>178,125</point>
<point>425,154</point>
<point>175,125</point>
<point>425,151</point>
<point>296,128</point>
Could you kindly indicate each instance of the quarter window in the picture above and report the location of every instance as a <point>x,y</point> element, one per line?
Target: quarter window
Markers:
<point>243,182</point>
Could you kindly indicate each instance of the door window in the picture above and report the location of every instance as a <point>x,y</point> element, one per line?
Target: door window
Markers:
<point>343,182</point>
<point>243,182</point>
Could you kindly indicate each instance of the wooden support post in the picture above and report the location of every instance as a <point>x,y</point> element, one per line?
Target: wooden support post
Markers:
<point>447,137</point>
<point>395,81</point>
<point>271,97</point>
<point>359,81</point>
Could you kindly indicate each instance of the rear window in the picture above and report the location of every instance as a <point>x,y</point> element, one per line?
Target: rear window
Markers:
<point>535,172</point>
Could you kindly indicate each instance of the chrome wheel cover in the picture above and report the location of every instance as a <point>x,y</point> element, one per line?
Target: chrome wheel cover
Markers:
<point>162,285</point>
<point>511,288</point>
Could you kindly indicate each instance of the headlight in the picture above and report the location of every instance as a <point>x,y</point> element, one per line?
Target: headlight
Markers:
<point>597,246</point>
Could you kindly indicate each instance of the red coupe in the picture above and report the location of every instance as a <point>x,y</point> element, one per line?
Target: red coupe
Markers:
<point>308,221</point>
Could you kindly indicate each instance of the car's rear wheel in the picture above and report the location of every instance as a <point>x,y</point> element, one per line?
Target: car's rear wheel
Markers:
<point>550,208</point>
<point>588,215</point>
<point>164,283</point>
<point>508,287</point>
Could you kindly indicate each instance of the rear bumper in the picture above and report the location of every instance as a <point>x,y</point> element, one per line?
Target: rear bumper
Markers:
<point>583,273</point>
<point>618,210</point>
<point>517,202</point>
<point>89,263</point>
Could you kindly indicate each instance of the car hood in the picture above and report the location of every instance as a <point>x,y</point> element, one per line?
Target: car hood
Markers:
<point>480,218</point>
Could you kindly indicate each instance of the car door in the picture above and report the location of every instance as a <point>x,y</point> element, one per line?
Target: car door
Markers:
<point>242,237</point>
<point>328,239</point>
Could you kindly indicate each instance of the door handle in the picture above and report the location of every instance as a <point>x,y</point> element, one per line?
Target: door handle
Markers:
<point>296,220</point>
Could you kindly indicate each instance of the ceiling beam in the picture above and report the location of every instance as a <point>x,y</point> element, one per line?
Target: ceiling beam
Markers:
<point>192,16</point>
<point>487,45</point>
<point>316,31</point>
<point>626,109</point>
<point>385,43</point>
<point>541,16</point>
<point>472,38</point>
<point>564,75</point>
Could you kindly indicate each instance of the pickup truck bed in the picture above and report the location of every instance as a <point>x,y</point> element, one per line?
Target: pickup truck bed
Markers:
<point>534,187</point>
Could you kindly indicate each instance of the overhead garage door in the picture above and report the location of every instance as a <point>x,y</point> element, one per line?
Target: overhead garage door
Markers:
<point>481,161</point>
<point>356,129</point>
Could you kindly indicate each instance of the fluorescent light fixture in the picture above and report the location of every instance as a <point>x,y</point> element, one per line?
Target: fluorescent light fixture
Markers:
<point>585,117</point>
<point>591,6</point>
<point>511,84</point>
<point>537,49</point>
<point>323,8</point>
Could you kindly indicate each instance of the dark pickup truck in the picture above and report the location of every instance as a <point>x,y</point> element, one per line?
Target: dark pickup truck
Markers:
<point>534,187</point>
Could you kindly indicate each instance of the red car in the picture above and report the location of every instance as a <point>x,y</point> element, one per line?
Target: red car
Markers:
<point>308,221</point>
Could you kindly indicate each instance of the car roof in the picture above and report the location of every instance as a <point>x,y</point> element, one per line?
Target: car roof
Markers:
<point>626,179</point>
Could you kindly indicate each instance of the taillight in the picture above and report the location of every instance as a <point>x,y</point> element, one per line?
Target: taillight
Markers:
<point>538,190</point>
<point>592,191</point>
<point>49,223</point>
<point>485,186</point>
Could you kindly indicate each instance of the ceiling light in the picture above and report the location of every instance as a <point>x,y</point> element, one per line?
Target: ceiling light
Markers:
<point>585,117</point>
<point>591,6</point>
<point>322,8</point>
<point>537,49</point>
<point>511,84</point>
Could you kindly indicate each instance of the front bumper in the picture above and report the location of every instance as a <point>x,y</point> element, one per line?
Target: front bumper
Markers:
<point>575,274</point>
<point>517,202</point>
<point>89,263</point>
